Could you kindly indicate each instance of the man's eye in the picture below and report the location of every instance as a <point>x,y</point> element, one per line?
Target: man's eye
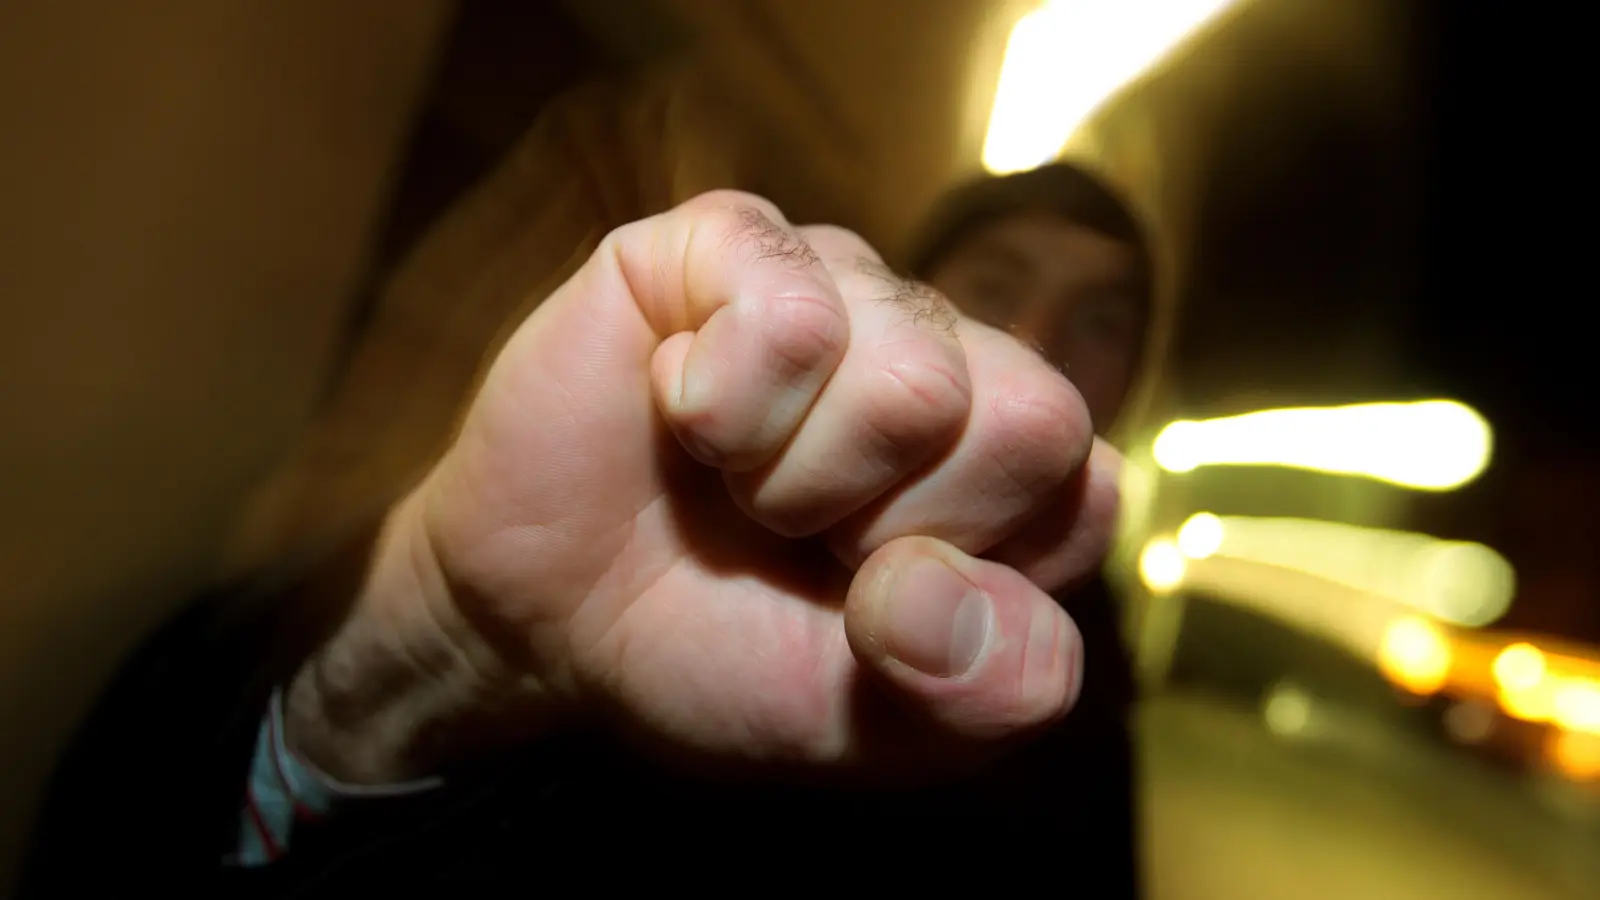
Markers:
<point>1105,321</point>
<point>1100,322</point>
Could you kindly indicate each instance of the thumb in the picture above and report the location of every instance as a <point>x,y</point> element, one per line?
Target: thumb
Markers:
<point>974,644</point>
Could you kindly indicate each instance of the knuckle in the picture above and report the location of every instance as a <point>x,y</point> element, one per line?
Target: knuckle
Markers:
<point>760,235</point>
<point>727,200</point>
<point>629,233</point>
<point>806,329</point>
<point>837,241</point>
<point>919,394</point>
<point>1039,429</point>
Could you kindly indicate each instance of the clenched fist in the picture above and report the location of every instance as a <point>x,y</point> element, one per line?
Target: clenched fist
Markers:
<point>741,493</point>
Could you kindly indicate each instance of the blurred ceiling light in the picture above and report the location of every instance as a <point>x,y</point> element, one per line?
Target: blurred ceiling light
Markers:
<point>1069,56</point>
<point>1433,445</point>
<point>1458,582</point>
<point>1415,655</point>
<point>1519,667</point>
<point>1161,565</point>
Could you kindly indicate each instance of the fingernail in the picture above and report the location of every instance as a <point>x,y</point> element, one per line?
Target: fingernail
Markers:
<point>937,622</point>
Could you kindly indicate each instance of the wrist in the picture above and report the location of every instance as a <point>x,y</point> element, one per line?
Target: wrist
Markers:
<point>405,688</point>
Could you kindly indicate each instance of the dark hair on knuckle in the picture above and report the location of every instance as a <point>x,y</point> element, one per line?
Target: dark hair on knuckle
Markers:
<point>925,305</point>
<point>767,240</point>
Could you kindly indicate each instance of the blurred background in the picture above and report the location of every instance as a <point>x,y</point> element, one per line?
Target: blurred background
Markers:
<point>1360,492</point>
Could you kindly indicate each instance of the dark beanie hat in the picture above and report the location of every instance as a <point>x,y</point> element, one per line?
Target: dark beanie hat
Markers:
<point>1059,188</point>
<point>1076,196</point>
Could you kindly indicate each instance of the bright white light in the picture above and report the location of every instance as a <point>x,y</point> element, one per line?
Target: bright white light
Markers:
<point>1429,445</point>
<point>1161,565</point>
<point>1065,59</point>
<point>1415,655</point>
<point>1519,667</point>
<point>1178,447</point>
<point>1576,705</point>
<point>1201,536</point>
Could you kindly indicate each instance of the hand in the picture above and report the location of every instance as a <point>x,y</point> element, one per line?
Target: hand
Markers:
<point>742,493</point>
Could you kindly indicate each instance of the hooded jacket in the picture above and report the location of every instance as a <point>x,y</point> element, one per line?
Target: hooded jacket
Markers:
<point>147,797</point>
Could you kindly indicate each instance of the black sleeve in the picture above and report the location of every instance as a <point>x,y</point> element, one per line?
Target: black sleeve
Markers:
<point>147,795</point>
<point>147,792</point>
<point>146,800</point>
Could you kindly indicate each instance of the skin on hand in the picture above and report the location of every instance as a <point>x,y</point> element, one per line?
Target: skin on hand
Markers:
<point>745,492</point>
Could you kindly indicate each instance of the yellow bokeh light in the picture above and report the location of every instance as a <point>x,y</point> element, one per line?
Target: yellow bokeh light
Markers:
<point>1530,704</point>
<point>1201,536</point>
<point>1433,445</point>
<point>1575,754</point>
<point>1177,448</point>
<point>1453,581</point>
<point>1287,709</point>
<point>1161,565</point>
<point>1415,655</point>
<point>1575,705</point>
<point>1065,59</point>
<point>1519,668</point>
<point>1545,685</point>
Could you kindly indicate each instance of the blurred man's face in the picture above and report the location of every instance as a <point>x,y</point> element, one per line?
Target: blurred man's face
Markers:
<point>1072,291</point>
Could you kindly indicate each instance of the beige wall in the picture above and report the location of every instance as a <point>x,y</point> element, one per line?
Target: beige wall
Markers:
<point>187,190</point>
